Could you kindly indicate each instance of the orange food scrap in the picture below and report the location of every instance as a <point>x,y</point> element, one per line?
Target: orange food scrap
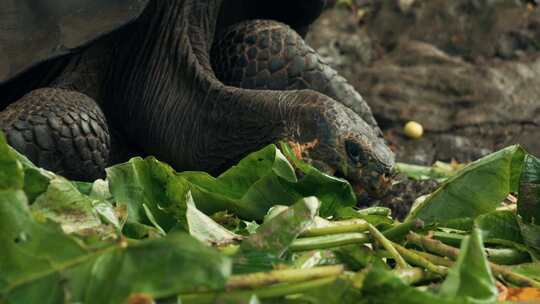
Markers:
<point>503,291</point>
<point>140,298</point>
<point>299,149</point>
<point>526,294</point>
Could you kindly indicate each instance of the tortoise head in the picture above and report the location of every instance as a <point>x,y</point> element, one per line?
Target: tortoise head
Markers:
<point>298,14</point>
<point>341,143</point>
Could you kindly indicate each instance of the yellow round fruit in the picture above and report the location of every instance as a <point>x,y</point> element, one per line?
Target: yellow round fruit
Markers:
<point>413,130</point>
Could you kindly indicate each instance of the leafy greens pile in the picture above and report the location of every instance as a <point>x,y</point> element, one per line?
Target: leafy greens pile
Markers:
<point>267,230</point>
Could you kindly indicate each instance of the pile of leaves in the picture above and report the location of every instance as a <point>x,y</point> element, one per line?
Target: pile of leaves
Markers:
<point>271,229</point>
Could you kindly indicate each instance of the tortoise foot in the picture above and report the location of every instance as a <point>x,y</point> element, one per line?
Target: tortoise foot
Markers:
<point>60,130</point>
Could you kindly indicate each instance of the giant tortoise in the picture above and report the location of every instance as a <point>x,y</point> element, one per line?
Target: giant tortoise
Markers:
<point>197,83</point>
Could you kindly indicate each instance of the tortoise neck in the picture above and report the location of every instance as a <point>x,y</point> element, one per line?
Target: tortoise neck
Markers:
<point>171,30</point>
<point>164,63</point>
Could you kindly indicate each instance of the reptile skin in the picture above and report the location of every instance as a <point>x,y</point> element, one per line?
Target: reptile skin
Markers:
<point>61,130</point>
<point>265,54</point>
<point>155,85</point>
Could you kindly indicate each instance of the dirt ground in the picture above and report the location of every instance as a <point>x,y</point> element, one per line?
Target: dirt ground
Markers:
<point>468,71</point>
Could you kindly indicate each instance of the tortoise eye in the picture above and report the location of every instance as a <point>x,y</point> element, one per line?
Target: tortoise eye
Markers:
<point>354,152</point>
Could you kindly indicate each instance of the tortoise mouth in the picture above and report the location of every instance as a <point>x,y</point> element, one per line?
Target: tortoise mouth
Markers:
<point>366,185</point>
<point>298,14</point>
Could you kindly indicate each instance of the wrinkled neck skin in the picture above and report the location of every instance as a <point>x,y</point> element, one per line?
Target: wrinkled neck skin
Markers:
<point>169,101</point>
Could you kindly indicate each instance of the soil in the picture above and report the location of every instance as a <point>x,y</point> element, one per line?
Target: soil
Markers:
<point>468,71</point>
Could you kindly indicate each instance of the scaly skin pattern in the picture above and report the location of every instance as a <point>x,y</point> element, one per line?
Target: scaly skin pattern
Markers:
<point>265,54</point>
<point>160,91</point>
<point>62,130</point>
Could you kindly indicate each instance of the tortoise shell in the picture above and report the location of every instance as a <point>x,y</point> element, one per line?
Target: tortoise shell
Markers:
<point>34,31</point>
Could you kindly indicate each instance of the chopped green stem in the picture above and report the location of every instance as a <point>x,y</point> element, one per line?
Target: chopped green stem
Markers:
<point>375,211</point>
<point>413,275</point>
<point>383,254</point>
<point>451,239</point>
<point>262,293</point>
<point>379,237</point>
<point>439,248</point>
<point>328,241</point>
<point>258,279</point>
<point>435,259</point>
<point>514,278</point>
<point>432,245</point>
<point>229,250</point>
<point>507,256</point>
<point>338,227</point>
<point>418,260</point>
<point>399,231</point>
<point>504,256</point>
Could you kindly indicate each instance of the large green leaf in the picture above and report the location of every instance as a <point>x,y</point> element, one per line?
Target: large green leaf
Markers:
<point>56,198</point>
<point>531,237</point>
<point>470,278</point>
<point>204,228</point>
<point>259,181</point>
<point>334,193</point>
<point>63,203</point>
<point>382,287</point>
<point>531,270</point>
<point>11,171</point>
<point>499,227</point>
<point>41,264</point>
<point>477,189</point>
<point>529,191</point>
<point>439,171</point>
<point>276,234</point>
<point>261,250</point>
<point>142,185</point>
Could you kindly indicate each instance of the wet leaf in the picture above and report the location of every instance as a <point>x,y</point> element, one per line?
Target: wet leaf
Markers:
<point>477,189</point>
<point>206,230</point>
<point>276,234</point>
<point>470,278</point>
<point>11,170</point>
<point>529,191</point>
<point>35,270</point>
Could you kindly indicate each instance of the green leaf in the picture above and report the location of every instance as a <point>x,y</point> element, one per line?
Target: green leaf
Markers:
<point>470,278</point>
<point>334,193</point>
<point>477,189</point>
<point>499,227</point>
<point>276,234</point>
<point>76,213</point>
<point>260,250</point>
<point>358,257</point>
<point>11,170</point>
<point>439,171</point>
<point>206,230</point>
<point>531,237</point>
<point>382,287</point>
<point>259,181</point>
<point>502,228</point>
<point>41,264</point>
<point>339,292</point>
<point>36,180</point>
<point>529,191</point>
<point>531,270</point>
<point>377,216</point>
<point>143,186</point>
